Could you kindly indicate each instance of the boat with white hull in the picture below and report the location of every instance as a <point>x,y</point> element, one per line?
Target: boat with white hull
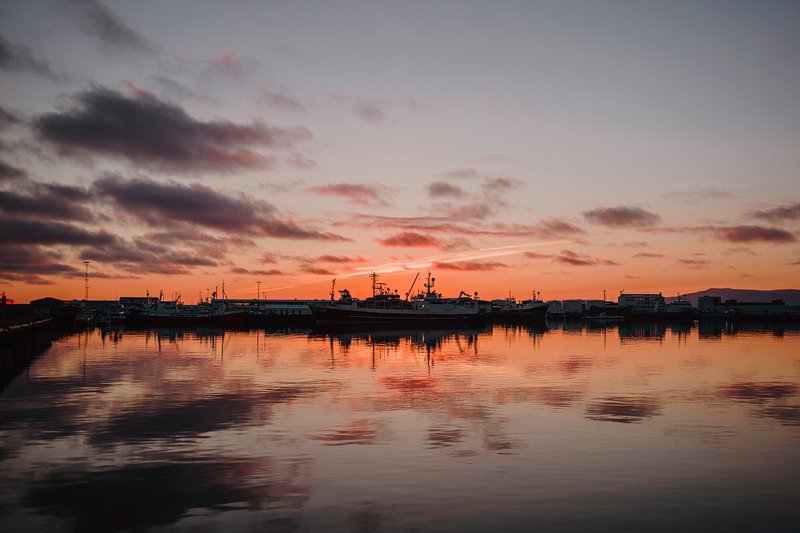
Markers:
<point>385,308</point>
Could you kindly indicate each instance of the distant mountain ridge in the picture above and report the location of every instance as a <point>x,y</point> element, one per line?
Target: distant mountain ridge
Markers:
<point>790,296</point>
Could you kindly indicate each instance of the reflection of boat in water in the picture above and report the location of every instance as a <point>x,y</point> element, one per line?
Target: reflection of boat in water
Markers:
<point>509,310</point>
<point>174,313</point>
<point>602,317</point>
<point>386,308</point>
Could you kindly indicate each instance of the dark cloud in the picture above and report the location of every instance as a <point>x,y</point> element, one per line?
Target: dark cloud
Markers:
<point>10,172</point>
<point>754,234</point>
<point>440,189</point>
<point>778,214</point>
<point>27,262</point>
<point>21,231</point>
<point>99,21</point>
<point>281,101</point>
<point>49,201</point>
<point>155,134</point>
<point>142,256</point>
<point>623,409</point>
<point>622,216</point>
<point>158,203</point>
<point>568,257</point>
<point>410,239</point>
<point>22,59</point>
<point>470,266</point>
<point>357,194</point>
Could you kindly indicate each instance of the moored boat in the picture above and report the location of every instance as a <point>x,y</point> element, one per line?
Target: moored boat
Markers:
<point>174,313</point>
<point>387,308</point>
<point>509,310</point>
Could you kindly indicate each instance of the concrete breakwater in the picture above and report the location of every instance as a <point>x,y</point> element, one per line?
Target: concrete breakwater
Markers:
<point>20,343</point>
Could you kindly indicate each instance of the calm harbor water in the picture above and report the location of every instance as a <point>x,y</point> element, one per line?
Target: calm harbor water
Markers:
<point>625,428</point>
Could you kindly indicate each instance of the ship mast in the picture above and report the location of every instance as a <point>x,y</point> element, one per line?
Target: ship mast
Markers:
<point>429,284</point>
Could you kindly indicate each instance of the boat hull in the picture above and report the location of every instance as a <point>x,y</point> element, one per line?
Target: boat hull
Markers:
<point>355,316</point>
<point>239,319</point>
<point>521,315</point>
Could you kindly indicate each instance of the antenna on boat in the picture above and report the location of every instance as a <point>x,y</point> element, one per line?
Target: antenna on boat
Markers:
<point>333,288</point>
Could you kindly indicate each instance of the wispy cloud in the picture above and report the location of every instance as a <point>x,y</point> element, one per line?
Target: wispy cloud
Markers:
<point>20,58</point>
<point>100,22</point>
<point>281,101</point>
<point>357,194</point>
<point>469,266</point>
<point>697,194</point>
<point>9,172</point>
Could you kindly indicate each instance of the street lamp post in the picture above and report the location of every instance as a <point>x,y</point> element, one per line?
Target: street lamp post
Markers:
<point>258,291</point>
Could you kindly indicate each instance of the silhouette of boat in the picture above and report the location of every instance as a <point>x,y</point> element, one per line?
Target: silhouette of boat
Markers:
<point>386,308</point>
<point>171,313</point>
<point>509,310</point>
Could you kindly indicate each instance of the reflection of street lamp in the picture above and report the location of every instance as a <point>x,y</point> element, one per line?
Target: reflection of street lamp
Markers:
<point>258,291</point>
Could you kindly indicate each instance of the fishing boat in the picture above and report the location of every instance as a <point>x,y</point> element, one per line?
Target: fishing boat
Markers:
<point>387,308</point>
<point>164,313</point>
<point>510,310</point>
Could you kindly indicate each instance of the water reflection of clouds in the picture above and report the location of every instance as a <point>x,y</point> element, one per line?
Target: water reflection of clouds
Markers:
<point>623,409</point>
<point>771,397</point>
<point>189,419</point>
<point>361,431</point>
<point>444,436</point>
<point>753,392</point>
<point>140,496</point>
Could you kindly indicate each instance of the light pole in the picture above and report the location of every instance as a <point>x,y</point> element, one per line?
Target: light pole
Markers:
<point>258,291</point>
<point>86,279</point>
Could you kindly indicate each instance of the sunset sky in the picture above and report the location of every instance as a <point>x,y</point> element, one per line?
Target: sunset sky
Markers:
<point>566,147</point>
